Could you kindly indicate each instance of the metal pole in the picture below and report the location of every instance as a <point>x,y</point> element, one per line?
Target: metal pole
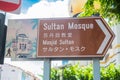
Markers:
<point>47,68</point>
<point>0,71</point>
<point>2,52</point>
<point>96,69</point>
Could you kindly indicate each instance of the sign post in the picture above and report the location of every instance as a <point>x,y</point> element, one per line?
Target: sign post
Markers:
<point>96,69</point>
<point>87,38</point>
<point>73,38</point>
<point>47,69</point>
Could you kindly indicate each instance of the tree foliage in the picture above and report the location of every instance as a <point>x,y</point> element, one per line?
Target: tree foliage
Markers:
<point>76,72</point>
<point>108,9</point>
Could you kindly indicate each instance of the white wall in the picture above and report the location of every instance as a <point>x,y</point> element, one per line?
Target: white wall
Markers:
<point>10,73</point>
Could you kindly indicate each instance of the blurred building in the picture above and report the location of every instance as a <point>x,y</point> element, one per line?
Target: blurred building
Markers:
<point>10,72</point>
<point>113,54</point>
<point>76,6</point>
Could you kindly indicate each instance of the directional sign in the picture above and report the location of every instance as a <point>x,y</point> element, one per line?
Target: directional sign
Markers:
<point>73,37</point>
<point>9,5</point>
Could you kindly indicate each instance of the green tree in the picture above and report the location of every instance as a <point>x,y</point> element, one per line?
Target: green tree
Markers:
<point>108,9</point>
<point>76,72</point>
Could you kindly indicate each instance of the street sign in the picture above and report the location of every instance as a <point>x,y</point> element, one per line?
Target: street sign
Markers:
<point>73,37</point>
<point>9,5</point>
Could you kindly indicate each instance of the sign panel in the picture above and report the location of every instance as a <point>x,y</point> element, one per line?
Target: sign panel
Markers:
<point>10,5</point>
<point>72,37</point>
<point>21,39</point>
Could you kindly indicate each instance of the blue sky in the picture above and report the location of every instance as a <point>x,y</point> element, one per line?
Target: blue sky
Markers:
<point>28,3</point>
<point>42,9</point>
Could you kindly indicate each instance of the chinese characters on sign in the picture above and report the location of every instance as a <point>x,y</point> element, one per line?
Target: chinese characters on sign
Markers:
<point>73,37</point>
<point>70,37</point>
